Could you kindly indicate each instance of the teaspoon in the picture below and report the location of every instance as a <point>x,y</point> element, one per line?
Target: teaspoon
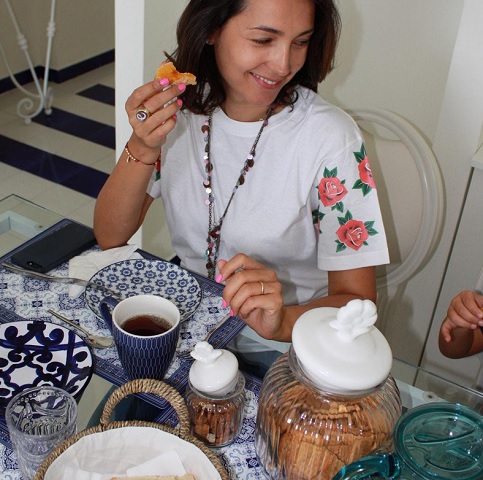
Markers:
<point>187,353</point>
<point>95,341</point>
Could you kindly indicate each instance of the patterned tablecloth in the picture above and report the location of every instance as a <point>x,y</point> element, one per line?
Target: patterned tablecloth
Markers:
<point>29,298</point>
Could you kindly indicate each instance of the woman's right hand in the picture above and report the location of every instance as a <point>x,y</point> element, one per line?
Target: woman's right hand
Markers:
<point>163,104</point>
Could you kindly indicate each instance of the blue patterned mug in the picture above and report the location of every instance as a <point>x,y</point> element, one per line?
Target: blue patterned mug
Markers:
<point>146,331</point>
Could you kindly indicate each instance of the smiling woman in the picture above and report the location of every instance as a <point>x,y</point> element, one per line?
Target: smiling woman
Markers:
<point>252,124</point>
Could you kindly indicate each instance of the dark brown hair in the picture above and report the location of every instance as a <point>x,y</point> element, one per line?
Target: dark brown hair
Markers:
<point>202,18</point>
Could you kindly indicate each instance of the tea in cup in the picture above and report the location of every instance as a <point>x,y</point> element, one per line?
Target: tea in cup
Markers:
<point>146,332</point>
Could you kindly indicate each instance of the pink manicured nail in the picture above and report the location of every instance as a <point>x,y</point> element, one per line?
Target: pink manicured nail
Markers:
<point>182,87</point>
<point>163,82</point>
<point>174,117</point>
<point>219,278</point>
<point>224,304</point>
<point>179,102</point>
<point>232,313</point>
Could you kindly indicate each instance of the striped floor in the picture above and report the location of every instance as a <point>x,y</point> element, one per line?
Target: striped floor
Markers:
<point>61,161</point>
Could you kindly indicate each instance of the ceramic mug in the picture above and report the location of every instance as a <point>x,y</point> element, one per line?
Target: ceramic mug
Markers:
<point>146,332</point>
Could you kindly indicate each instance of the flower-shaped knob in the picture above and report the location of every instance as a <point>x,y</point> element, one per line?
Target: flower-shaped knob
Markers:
<point>355,319</point>
<point>215,372</point>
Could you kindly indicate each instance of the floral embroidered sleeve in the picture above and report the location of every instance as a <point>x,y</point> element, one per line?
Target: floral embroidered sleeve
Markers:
<point>348,217</point>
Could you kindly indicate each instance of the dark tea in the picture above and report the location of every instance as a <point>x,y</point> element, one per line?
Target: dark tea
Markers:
<point>146,325</point>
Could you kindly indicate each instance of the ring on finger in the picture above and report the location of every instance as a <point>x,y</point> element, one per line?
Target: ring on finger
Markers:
<point>263,287</point>
<point>142,113</point>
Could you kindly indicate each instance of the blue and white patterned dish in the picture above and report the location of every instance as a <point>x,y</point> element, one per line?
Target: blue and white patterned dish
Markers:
<point>142,276</point>
<point>36,353</point>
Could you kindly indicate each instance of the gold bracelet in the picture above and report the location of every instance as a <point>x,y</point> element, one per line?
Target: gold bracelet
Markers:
<point>132,158</point>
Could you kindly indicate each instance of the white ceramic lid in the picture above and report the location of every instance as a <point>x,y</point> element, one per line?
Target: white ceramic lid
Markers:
<point>340,349</point>
<point>215,372</point>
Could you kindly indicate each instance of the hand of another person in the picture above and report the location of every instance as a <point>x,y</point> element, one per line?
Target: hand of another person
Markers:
<point>253,292</point>
<point>464,311</point>
<point>162,105</point>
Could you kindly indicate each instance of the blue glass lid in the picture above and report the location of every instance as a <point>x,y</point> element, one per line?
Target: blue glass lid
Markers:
<point>441,441</point>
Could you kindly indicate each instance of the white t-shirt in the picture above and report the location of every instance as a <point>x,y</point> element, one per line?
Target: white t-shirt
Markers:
<point>309,164</point>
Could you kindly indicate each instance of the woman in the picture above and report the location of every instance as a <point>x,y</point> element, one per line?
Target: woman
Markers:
<point>266,186</point>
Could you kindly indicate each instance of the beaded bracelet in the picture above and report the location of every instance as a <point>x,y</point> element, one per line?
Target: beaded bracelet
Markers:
<point>131,157</point>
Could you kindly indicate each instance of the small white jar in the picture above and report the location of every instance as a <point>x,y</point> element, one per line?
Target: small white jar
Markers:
<point>215,396</point>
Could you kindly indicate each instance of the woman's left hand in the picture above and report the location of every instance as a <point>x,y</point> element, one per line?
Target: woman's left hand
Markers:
<point>253,293</point>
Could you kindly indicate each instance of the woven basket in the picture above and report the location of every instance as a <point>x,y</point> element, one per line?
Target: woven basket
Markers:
<point>140,386</point>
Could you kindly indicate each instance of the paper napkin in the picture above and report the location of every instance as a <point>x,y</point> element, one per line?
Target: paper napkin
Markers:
<point>168,463</point>
<point>130,451</point>
<point>85,266</point>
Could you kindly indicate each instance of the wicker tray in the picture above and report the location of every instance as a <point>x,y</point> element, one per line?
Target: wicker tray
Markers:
<point>156,387</point>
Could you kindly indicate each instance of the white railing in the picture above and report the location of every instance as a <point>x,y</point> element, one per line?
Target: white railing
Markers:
<point>26,107</point>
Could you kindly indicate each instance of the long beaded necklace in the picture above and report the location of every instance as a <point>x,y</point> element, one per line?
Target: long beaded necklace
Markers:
<point>214,229</point>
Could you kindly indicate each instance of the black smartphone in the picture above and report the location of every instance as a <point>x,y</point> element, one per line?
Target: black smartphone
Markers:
<point>56,248</point>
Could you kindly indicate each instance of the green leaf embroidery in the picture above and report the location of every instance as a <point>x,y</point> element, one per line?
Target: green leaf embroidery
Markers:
<point>344,220</point>
<point>360,156</point>
<point>340,246</point>
<point>339,206</point>
<point>330,173</point>
<point>370,228</point>
<point>362,186</point>
<point>317,216</point>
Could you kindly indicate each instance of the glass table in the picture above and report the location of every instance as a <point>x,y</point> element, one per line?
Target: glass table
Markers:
<point>24,220</point>
<point>21,220</point>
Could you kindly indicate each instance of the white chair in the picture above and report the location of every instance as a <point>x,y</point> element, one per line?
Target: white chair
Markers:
<point>410,192</point>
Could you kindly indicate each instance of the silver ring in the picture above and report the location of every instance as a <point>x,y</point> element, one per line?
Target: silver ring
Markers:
<point>263,287</point>
<point>142,113</point>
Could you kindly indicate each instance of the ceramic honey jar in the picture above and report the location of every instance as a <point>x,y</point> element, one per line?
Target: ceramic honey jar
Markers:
<point>331,399</point>
<point>215,396</point>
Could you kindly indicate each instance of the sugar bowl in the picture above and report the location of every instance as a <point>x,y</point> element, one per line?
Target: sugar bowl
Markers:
<point>331,399</point>
<point>215,396</point>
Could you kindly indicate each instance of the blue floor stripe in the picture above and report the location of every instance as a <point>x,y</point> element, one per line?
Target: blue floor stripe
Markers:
<point>75,176</point>
<point>78,126</point>
<point>100,93</point>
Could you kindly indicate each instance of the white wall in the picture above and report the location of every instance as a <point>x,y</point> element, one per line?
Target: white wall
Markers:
<point>144,29</point>
<point>393,55</point>
<point>405,57</point>
<point>84,29</point>
<point>422,61</point>
<point>459,136</point>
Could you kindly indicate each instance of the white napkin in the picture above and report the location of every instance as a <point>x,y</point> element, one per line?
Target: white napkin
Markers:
<point>130,451</point>
<point>168,463</point>
<point>85,266</point>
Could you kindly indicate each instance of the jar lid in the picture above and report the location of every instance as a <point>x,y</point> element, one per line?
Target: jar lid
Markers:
<point>340,349</point>
<point>215,372</point>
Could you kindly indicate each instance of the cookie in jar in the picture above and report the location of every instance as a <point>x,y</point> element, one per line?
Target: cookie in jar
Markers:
<point>215,396</point>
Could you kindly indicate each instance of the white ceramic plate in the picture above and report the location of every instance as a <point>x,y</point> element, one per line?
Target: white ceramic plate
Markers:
<point>102,455</point>
<point>157,277</point>
<point>36,353</point>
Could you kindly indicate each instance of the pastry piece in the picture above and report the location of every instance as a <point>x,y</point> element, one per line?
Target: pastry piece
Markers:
<point>168,70</point>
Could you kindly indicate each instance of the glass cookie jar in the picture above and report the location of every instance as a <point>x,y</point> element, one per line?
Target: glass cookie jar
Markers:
<point>215,396</point>
<point>330,400</point>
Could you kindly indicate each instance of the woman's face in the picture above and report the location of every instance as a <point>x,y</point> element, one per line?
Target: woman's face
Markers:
<point>259,51</point>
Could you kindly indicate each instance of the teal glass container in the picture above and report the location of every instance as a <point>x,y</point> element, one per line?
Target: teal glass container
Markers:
<point>436,441</point>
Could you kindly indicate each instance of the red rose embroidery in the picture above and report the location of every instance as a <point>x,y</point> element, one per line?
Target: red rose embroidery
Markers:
<point>158,171</point>
<point>353,234</point>
<point>365,173</point>
<point>331,191</point>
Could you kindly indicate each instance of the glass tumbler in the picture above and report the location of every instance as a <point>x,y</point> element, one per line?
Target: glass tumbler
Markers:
<point>39,419</point>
